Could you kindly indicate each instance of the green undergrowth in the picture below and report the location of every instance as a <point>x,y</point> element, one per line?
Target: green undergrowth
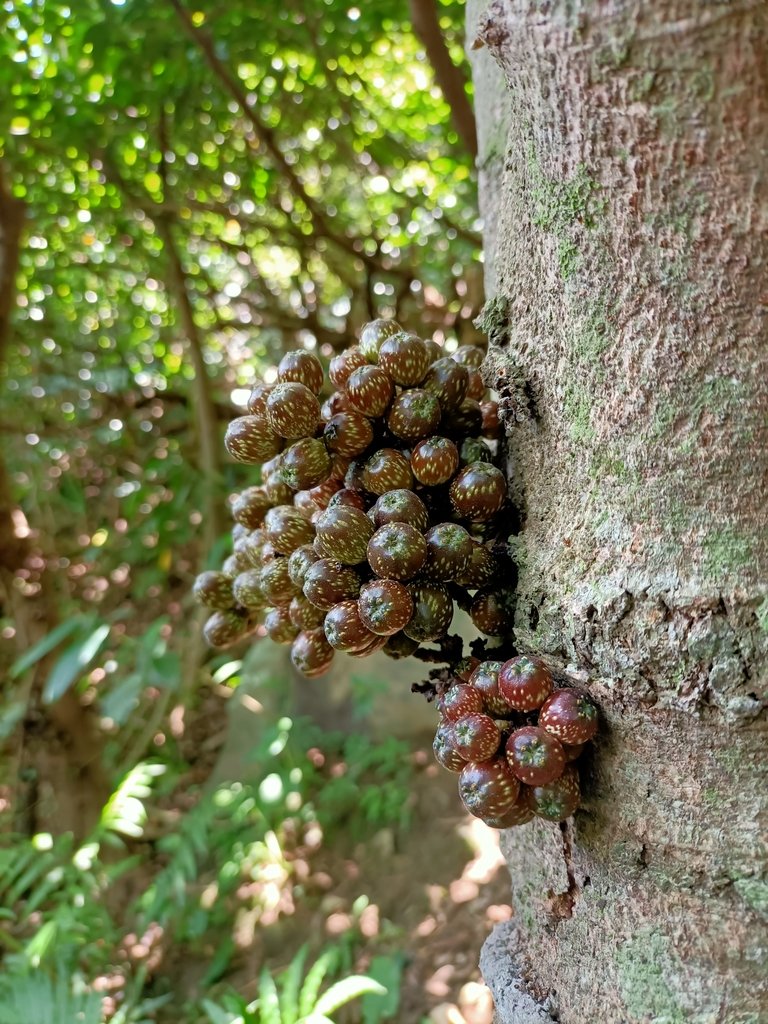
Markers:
<point>88,927</point>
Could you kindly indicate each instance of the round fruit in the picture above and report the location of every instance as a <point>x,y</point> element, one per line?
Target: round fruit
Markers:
<point>432,611</point>
<point>311,653</point>
<point>447,380</point>
<point>305,464</point>
<point>276,584</point>
<point>396,551</point>
<point>572,751</point>
<point>525,683</point>
<point>257,400</point>
<point>401,506</point>
<point>400,646</point>
<point>348,433</point>
<point>385,606</point>
<point>386,470</point>
<point>345,629</point>
<point>464,669</point>
<point>250,506</point>
<point>488,789</point>
<point>246,589</point>
<point>469,355</point>
<point>299,561</point>
<point>231,566</point>
<point>214,590</point>
<point>373,336</point>
<point>483,568</point>
<point>278,491</point>
<point>322,493</point>
<point>485,680</point>
<point>250,439</point>
<point>345,496</point>
<point>478,492</point>
<point>492,611</point>
<point>376,644</point>
<point>285,528</point>
<point>292,410</point>
<point>520,813</point>
<point>535,756</point>
<point>280,629</point>
<point>449,549</point>
<point>370,390</point>
<point>466,421</point>
<point>444,747</point>
<point>343,365</point>
<point>476,386</point>
<point>305,615</point>
<point>333,405</point>
<point>434,461</point>
<point>477,736</point>
<point>491,427</point>
<point>460,700</point>
<point>225,627</point>
<point>301,368</point>
<point>571,715</point>
<point>343,532</point>
<point>474,449</point>
<point>557,800</point>
<point>328,582</point>
<point>405,358</point>
<point>414,414</point>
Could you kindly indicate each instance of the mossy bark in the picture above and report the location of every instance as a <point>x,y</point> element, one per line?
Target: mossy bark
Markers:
<point>623,156</point>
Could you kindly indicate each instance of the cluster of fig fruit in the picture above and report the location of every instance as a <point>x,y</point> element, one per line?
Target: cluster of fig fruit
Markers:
<point>377,507</point>
<point>514,740</point>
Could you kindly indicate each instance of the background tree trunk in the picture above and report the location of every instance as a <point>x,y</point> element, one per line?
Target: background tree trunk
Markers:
<point>623,180</point>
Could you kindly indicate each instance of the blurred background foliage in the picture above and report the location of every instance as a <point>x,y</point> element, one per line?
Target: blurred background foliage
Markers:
<point>187,189</point>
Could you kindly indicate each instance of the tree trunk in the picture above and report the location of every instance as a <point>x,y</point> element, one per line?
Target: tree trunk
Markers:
<point>624,185</point>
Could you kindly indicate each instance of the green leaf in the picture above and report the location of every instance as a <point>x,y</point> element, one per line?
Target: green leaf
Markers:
<point>388,970</point>
<point>218,1016</point>
<point>269,1003</point>
<point>290,983</point>
<point>345,991</point>
<point>47,644</point>
<point>72,663</point>
<point>314,980</point>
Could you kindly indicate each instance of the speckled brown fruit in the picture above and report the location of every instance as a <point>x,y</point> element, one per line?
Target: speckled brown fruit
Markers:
<point>559,799</point>
<point>571,715</point>
<point>342,365</point>
<point>476,386</point>
<point>385,606</point>
<point>276,584</point>
<point>525,683</point>
<point>434,460</point>
<point>345,496</point>
<point>469,355</point>
<point>345,629</point>
<point>491,424</point>
<point>483,568</point>
<point>292,410</point>
<point>405,358</point>
<point>485,679</point>
<point>285,528</point>
<point>348,433</point>
<point>462,699</point>
<point>278,491</point>
<point>250,506</point>
<point>413,414</point>
<point>478,492</point>
<point>301,367</point>
<point>322,493</point>
<point>447,380</point>
<point>257,400</point>
<point>343,532</point>
<point>231,566</point>
<point>376,644</point>
<point>520,813</point>
<point>246,590</point>
<point>488,789</point>
<point>493,611</point>
<point>474,449</point>
<point>250,439</point>
<point>226,627</point>
<point>305,615</point>
<point>465,421</point>
<point>306,463</point>
<point>401,506</point>
<point>397,551</point>
<point>400,646</point>
<point>214,590</point>
<point>535,757</point>
<point>373,336</point>
<point>334,404</point>
<point>278,625</point>
<point>299,561</point>
<point>477,736</point>
<point>444,747</point>
<point>370,390</point>
<point>449,549</point>
<point>311,653</point>
<point>328,582</point>
<point>432,611</point>
<point>386,470</point>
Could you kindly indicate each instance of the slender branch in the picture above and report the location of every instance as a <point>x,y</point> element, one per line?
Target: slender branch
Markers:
<point>426,25</point>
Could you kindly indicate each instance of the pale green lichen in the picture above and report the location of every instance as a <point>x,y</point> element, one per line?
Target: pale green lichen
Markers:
<point>726,552</point>
<point>644,964</point>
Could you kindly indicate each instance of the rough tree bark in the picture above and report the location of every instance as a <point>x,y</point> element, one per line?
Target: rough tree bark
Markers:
<point>623,180</point>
